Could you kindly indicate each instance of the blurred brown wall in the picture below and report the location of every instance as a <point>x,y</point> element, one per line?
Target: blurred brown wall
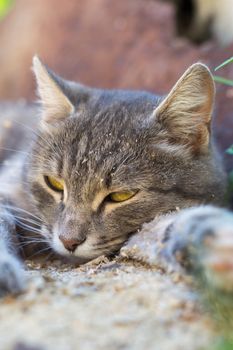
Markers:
<point>105,43</point>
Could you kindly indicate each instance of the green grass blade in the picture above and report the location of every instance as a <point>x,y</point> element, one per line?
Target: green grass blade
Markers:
<point>230,150</point>
<point>223,80</point>
<point>229,60</point>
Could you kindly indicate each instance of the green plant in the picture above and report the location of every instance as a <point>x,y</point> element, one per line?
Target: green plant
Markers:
<point>5,6</point>
<point>222,80</point>
<point>220,303</point>
<point>224,344</point>
<point>229,151</point>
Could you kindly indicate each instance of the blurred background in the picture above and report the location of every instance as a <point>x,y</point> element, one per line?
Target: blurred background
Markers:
<point>133,44</point>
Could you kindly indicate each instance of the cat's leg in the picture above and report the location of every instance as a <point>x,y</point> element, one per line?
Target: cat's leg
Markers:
<point>199,239</point>
<point>12,279</point>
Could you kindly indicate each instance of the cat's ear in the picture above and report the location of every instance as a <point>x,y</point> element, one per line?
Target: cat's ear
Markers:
<point>185,114</point>
<point>56,106</point>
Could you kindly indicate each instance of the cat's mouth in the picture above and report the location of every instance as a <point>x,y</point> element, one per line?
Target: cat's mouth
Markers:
<point>89,250</point>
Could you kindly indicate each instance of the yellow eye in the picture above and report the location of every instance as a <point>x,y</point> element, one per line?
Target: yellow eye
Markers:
<point>121,196</point>
<point>54,183</point>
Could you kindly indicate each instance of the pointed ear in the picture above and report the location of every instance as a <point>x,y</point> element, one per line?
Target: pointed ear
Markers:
<point>185,114</point>
<point>55,104</point>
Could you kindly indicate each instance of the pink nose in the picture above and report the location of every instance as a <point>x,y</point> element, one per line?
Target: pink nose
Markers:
<point>71,243</point>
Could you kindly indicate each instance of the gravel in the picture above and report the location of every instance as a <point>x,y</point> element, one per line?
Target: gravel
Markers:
<point>104,304</point>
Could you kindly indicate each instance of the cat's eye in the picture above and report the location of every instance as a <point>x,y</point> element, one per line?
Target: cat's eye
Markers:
<point>121,196</point>
<point>54,183</point>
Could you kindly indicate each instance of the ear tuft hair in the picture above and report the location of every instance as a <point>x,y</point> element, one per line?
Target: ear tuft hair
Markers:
<point>55,104</point>
<point>185,114</point>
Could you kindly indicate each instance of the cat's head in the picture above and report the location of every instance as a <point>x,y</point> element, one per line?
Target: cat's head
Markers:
<point>107,161</point>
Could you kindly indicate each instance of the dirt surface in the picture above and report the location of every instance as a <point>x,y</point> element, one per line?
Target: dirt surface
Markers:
<point>103,305</point>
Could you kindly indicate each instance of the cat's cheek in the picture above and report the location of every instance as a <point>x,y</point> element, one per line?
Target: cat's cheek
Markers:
<point>85,251</point>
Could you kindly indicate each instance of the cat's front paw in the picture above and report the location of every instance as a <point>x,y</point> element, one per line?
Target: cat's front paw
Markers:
<point>203,241</point>
<point>12,278</point>
<point>217,258</point>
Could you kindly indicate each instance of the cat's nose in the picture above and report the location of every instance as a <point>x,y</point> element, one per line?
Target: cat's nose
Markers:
<point>71,243</point>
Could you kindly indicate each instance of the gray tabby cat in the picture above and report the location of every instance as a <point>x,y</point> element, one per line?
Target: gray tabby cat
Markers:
<point>102,163</point>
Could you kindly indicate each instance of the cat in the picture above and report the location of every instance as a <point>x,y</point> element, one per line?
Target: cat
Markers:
<point>101,163</point>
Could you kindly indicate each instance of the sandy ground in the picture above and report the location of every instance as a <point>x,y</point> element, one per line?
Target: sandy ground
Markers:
<point>104,304</point>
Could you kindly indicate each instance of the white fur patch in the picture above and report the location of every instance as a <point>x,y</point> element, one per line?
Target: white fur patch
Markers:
<point>83,251</point>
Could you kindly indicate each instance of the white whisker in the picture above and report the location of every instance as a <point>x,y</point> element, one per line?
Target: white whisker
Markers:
<point>29,221</point>
<point>27,227</point>
<point>24,244</point>
<point>40,251</point>
<point>14,208</point>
